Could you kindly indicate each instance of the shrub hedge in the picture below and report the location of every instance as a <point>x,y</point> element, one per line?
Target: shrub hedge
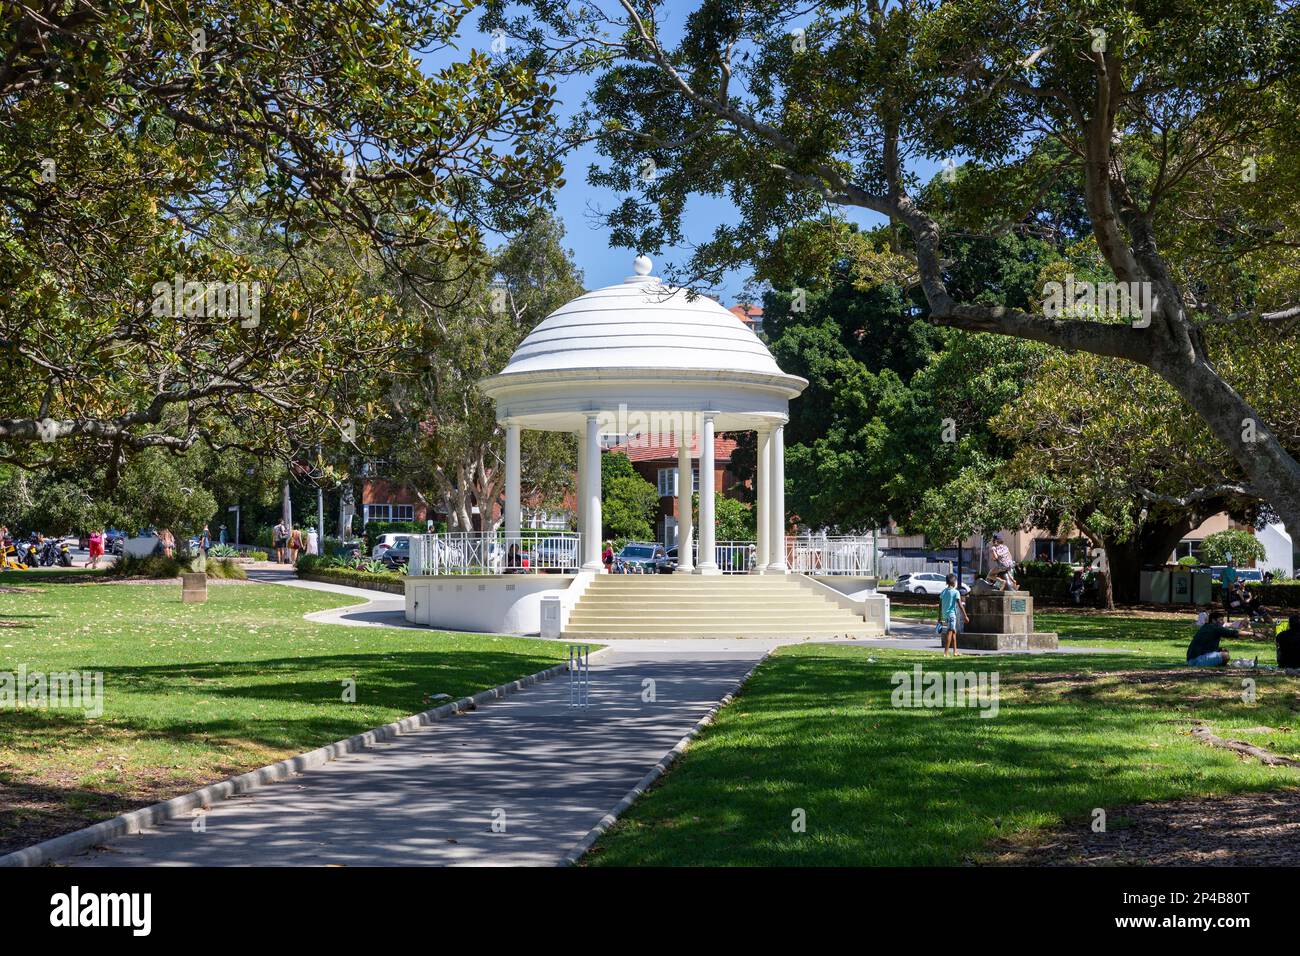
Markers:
<point>388,581</point>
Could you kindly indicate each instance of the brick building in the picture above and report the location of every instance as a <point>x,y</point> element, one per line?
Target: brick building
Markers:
<point>656,462</point>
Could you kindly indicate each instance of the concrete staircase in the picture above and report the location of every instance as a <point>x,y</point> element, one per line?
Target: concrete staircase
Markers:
<point>693,605</point>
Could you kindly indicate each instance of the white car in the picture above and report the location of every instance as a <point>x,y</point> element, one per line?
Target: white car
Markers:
<point>385,542</point>
<point>924,582</point>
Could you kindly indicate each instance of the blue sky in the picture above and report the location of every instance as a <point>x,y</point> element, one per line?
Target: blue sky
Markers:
<point>579,203</point>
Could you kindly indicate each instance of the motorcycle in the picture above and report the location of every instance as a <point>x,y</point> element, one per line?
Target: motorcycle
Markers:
<point>55,552</point>
<point>28,554</point>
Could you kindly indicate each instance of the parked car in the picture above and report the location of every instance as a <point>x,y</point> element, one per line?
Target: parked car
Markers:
<point>386,541</point>
<point>924,582</point>
<point>556,555</point>
<point>398,554</point>
<point>141,545</point>
<point>640,557</point>
<point>668,563</point>
<point>113,539</point>
<point>1244,575</point>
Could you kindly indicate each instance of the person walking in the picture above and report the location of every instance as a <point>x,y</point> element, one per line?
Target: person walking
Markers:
<point>95,544</point>
<point>168,541</point>
<point>280,537</point>
<point>296,545</point>
<point>950,603</point>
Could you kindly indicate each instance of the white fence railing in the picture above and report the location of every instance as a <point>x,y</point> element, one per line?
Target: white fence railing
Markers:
<point>827,554</point>
<point>538,550</point>
<point>732,557</point>
<point>530,551</point>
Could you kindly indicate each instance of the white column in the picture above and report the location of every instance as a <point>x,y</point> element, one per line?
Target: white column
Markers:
<point>776,503</point>
<point>514,513</point>
<point>591,540</point>
<point>761,500</point>
<point>580,500</point>
<point>708,563</point>
<point>685,520</point>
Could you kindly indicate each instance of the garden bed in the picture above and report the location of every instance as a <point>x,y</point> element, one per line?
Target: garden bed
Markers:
<point>390,584</point>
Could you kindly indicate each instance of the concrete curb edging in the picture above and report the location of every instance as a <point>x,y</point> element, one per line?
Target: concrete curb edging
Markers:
<point>204,797</point>
<point>579,849</point>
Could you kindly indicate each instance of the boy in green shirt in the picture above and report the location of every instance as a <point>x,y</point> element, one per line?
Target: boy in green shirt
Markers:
<point>1204,651</point>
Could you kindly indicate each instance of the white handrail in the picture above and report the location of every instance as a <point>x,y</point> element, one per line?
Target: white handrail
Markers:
<point>830,554</point>
<point>531,551</point>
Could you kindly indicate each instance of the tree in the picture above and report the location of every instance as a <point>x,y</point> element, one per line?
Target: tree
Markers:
<point>435,431</point>
<point>157,489</point>
<point>732,520</point>
<point>1232,545</point>
<point>893,403</point>
<point>628,501</point>
<point>1161,115</point>
<point>147,149</point>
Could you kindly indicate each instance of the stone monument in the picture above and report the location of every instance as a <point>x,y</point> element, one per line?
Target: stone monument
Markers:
<point>1002,621</point>
<point>194,587</point>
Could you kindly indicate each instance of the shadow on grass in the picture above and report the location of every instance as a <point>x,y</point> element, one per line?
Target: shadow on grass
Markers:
<point>881,785</point>
<point>391,682</point>
<point>32,812</point>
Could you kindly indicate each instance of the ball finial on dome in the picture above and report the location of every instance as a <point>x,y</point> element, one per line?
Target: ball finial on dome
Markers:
<point>642,265</point>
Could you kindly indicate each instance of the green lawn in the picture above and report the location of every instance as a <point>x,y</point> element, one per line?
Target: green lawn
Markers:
<point>814,730</point>
<point>1158,633</point>
<point>195,693</point>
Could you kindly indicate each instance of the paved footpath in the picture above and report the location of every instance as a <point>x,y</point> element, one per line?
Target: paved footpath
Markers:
<point>543,771</point>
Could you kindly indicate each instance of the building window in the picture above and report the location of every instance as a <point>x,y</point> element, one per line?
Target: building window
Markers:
<point>387,512</point>
<point>668,534</point>
<point>668,481</point>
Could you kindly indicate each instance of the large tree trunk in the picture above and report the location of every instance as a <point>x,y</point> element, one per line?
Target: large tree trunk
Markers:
<point>1150,546</point>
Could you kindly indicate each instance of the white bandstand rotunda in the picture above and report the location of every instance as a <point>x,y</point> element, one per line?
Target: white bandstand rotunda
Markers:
<point>641,355</point>
<point>643,359</point>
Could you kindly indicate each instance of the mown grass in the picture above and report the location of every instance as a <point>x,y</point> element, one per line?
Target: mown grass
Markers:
<point>815,731</point>
<point>1166,635</point>
<point>194,693</point>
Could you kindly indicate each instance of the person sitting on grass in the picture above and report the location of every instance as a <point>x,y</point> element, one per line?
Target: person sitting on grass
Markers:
<point>1288,643</point>
<point>1241,601</point>
<point>1204,651</point>
<point>950,603</point>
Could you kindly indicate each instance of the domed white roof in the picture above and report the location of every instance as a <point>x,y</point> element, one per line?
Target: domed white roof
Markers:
<point>642,324</point>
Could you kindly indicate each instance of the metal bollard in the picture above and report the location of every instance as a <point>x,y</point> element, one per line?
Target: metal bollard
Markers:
<point>579,675</point>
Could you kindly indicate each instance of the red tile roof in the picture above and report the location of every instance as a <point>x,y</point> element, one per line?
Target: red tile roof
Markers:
<point>651,448</point>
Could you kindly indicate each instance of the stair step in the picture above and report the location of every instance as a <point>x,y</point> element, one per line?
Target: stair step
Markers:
<point>710,601</point>
<point>595,632</point>
<point>730,606</point>
<point>828,620</point>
